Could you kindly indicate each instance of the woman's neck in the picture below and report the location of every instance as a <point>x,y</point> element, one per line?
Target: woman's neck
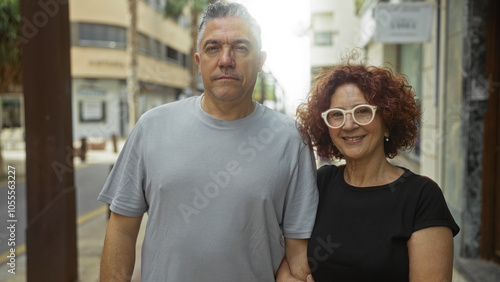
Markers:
<point>374,172</point>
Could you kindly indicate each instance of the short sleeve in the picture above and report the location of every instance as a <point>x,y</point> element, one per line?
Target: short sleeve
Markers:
<point>432,209</point>
<point>302,198</point>
<point>325,174</point>
<point>123,189</point>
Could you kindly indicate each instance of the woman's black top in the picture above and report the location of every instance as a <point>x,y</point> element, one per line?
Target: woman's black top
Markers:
<point>361,233</point>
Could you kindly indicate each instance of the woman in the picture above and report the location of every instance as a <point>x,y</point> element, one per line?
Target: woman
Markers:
<point>375,221</point>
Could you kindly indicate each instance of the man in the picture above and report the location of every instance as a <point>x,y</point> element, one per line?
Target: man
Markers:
<point>228,185</point>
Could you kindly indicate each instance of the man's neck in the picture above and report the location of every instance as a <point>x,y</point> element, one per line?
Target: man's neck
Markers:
<point>227,110</point>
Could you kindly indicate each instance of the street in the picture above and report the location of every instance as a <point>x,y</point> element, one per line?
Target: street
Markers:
<point>88,181</point>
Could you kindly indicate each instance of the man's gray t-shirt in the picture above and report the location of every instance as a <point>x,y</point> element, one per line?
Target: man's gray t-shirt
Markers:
<point>220,195</point>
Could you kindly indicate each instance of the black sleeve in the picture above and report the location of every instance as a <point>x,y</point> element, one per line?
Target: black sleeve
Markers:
<point>325,173</point>
<point>432,210</point>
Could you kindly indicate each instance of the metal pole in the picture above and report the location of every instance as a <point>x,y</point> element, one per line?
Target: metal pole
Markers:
<point>51,231</point>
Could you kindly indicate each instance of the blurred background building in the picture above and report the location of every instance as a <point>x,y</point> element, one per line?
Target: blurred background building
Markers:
<point>334,32</point>
<point>442,48</point>
<point>99,67</point>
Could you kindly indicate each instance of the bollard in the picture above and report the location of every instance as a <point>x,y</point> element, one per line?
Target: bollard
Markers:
<point>115,145</point>
<point>109,210</point>
<point>83,149</point>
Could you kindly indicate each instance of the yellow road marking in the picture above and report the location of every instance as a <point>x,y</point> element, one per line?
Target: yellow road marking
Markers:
<point>82,219</point>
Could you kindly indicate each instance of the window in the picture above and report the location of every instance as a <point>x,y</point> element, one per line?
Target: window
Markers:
<point>11,112</point>
<point>158,5</point>
<point>143,45</point>
<point>156,49</point>
<point>92,111</point>
<point>172,55</point>
<point>321,24</point>
<point>102,35</point>
<point>410,64</point>
<point>185,61</point>
<point>323,38</point>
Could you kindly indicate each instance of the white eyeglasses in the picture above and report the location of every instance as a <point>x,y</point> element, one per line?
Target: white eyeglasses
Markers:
<point>362,115</point>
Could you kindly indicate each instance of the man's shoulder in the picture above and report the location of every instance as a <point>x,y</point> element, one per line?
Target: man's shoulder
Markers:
<point>172,108</point>
<point>279,121</point>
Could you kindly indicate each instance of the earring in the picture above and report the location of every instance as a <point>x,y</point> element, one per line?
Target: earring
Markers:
<point>386,138</point>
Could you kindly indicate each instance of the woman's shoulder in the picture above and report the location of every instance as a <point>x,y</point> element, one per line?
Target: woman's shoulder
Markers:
<point>423,190</point>
<point>420,182</point>
<point>328,168</point>
<point>327,172</point>
<point>431,208</point>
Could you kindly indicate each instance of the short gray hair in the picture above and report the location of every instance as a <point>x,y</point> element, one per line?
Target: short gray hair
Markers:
<point>228,9</point>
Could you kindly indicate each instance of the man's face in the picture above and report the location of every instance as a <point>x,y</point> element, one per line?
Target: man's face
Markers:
<point>229,59</point>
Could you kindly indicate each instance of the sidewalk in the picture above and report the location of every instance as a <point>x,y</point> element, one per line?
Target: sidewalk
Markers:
<point>91,228</point>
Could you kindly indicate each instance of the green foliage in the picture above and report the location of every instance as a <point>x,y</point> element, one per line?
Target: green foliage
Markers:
<point>269,90</point>
<point>10,47</point>
<point>201,5</point>
<point>359,4</point>
<point>174,8</point>
<point>9,29</point>
<point>257,93</point>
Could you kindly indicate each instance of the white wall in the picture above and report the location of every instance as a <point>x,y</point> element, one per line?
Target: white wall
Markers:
<point>337,16</point>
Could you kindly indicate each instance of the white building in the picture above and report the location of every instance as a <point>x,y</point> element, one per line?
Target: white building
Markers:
<point>334,28</point>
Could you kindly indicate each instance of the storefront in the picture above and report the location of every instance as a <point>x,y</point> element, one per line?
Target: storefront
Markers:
<point>100,107</point>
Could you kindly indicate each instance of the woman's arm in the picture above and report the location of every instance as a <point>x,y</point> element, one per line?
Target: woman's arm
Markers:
<point>284,274</point>
<point>294,267</point>
<point>430,252</point>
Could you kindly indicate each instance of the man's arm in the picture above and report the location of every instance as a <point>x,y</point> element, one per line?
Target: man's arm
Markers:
<point>294,266</point>
<point>118,254</point>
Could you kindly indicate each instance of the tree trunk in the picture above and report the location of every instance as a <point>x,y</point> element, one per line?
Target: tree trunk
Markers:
<point>50,192</point>
<point>132,79</point>
<point>195,12</point>
<point>194,38</point>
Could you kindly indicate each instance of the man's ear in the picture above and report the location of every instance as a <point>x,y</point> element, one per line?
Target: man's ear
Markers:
<point>197,58</point>
<point>262,59</point>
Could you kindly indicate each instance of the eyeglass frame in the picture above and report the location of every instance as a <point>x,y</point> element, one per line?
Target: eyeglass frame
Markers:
<point>324,115</point>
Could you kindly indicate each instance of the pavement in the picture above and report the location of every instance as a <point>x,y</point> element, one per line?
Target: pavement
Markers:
<point>91,227</point>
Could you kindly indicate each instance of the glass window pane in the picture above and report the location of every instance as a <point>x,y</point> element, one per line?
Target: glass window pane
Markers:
<point>143,44</point>
<point>100,33</point>
<point>172,54</point>
<point>323,38</point>
<point>84,31</point>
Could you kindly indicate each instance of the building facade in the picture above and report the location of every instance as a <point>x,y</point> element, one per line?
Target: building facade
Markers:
<point>446,63</point>
<point>99,70</point>
<point>334,31</point>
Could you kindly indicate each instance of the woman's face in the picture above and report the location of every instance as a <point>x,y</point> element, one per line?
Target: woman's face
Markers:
<point>356,142</point>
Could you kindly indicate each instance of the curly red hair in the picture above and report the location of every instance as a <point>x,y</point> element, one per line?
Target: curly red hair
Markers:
<point>392,94</point>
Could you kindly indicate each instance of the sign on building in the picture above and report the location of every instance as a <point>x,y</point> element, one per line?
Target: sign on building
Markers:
<point>403,23</point>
